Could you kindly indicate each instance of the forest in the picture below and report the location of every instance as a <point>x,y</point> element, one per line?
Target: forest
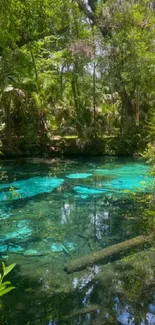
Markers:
<point>77,162</point>
<point>76,76</point>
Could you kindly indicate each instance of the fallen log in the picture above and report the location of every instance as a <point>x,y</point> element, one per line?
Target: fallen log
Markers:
<point>99,256</point>
<point>83,311</point>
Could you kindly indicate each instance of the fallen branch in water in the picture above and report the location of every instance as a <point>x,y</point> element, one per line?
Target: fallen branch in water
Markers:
<point>99,256</point>
<point>83,311</point>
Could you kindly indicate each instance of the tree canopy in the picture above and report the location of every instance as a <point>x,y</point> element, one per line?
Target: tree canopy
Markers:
<point>76,68</point>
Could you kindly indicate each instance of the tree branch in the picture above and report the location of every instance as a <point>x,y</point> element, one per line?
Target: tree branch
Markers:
<point>83,7</point>
<point>105,30</point>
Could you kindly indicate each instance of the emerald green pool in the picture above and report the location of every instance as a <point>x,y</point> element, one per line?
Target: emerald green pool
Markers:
<point>54,211</point>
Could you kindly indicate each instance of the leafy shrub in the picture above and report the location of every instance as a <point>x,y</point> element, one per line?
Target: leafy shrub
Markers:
<point>149,153</point>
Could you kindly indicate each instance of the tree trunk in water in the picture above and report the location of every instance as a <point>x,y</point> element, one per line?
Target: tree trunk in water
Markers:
<point>83,311</point>
<point>100,256</point>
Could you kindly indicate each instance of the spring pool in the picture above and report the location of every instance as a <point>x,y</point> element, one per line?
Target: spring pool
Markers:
<point>54,211</point>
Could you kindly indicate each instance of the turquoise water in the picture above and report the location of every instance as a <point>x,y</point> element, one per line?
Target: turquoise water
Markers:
<point>52,212</point>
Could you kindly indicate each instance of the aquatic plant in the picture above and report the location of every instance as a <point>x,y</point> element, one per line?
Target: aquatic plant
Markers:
<point>5,287</point>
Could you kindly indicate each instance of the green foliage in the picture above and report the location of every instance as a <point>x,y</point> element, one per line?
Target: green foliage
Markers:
<point>5,286</point>
<point>149,153</point>
<point>60,76</point>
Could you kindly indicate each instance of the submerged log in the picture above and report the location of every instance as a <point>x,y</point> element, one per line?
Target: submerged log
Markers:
<point>99,256</point>
<point>83,311</point>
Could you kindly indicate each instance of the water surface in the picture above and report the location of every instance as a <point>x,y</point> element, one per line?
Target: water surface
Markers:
<point>52,212</point>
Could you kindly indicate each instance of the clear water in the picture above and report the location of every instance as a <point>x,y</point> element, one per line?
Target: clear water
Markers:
<point>52,212</point>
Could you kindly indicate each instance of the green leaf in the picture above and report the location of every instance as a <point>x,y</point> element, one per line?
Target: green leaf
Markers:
<point>7,269</point>
<point>3,292</point>
<point>4,284</point>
